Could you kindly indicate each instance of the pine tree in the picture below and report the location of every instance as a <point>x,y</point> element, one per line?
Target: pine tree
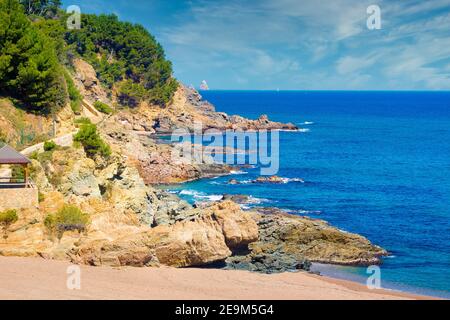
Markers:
<point>29,68</point>
<point>45,8</point>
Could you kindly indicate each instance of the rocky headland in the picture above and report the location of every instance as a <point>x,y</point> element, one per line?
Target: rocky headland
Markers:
<point>135,223</point>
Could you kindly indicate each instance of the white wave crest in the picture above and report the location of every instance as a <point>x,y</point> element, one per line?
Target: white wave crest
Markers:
<point>288,180</point>
<point>307,212</point>
<point>191,193</point>
<point>283,181</point>
<point>237,172</point>
<point>201,195</point>
<point>254,200</point>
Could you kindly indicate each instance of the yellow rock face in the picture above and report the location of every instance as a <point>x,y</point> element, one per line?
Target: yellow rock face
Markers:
<point>205,239</point>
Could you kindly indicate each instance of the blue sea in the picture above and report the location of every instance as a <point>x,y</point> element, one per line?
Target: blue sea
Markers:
<point>373,163</point>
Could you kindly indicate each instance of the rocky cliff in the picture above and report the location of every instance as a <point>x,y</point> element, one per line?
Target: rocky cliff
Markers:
<point>131,222</point>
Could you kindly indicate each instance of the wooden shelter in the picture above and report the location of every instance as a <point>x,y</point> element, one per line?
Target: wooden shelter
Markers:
<point>9,156</point>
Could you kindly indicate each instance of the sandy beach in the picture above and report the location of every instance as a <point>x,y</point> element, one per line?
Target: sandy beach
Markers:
<point>34,278</point>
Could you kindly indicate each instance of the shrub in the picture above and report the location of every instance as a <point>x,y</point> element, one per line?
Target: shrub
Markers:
<point>17,173</point>
<point>82,120</point>
<point>69,218</point>
<point>41,197</point>
<point>34,155</point>
<point>49,145</point>
<point>3,138</point>
<point>46,156</point>
<point>74,95</point>
<point>91,141</point>
<point>103,107</point>
<point>131,94</point>
<point>8,217</point>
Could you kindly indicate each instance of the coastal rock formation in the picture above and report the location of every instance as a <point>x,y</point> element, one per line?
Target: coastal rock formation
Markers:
<point>115,236</point>
<point>205,238</point>
<point>79,178</point>
<point>288,242</point>
<point>194,108</point>
<point>73,173</point>
<point>87,82</point>
<point>171,209</point>
<point>157,163</point>
<point>237,198</point>
<point>122,186</point>
<point>21,129</point>
<point>272,179</point>
<point>186,109</point>
<point>132,223</point>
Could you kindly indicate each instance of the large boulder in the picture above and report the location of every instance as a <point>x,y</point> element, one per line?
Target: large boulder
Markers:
<point>238,227</point>
<point>206,238</point>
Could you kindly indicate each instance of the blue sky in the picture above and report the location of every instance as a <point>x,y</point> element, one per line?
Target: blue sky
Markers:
<point>297,44</point>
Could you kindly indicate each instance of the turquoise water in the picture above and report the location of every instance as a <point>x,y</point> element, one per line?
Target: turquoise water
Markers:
<point>374,163</point>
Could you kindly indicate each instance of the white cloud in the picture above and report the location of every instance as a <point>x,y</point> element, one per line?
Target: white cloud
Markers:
<point>348,64</point>
<point>266,41</point>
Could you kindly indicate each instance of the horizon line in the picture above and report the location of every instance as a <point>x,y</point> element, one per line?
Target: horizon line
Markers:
<point>331,90</point>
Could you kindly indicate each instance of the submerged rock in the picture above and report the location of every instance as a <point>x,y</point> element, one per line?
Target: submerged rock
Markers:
<point>237,198</point>
<point>272,179</point>
<point>233,181</point>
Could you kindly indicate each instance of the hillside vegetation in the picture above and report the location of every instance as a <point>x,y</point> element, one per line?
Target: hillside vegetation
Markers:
<point>37,50</point>
<point>126,53</point>
<point>29,68</point>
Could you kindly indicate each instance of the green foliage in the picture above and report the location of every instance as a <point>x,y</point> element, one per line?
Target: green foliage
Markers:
<point>41,197</point>
<point>3,138</point>
<point>161,94</point>
<point>103,107</point>
<point>49,145</point>
<point>121,50</point>
<point>91,141</point>
<point>131,94</point>
<point>32,55</point>
<point>108,72</point>
<point>82,120</point>
<point>69,218</point>
<point>34,155</point>
<point>8,217</point>
<point>44,157</point>
<point>29,68</point>
<point>55,31</point>
<point>45,8</point>
<point>74,95</point>
<point>17,173</point>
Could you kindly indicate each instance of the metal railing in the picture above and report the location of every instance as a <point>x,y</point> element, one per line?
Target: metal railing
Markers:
<point>12,183</point>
